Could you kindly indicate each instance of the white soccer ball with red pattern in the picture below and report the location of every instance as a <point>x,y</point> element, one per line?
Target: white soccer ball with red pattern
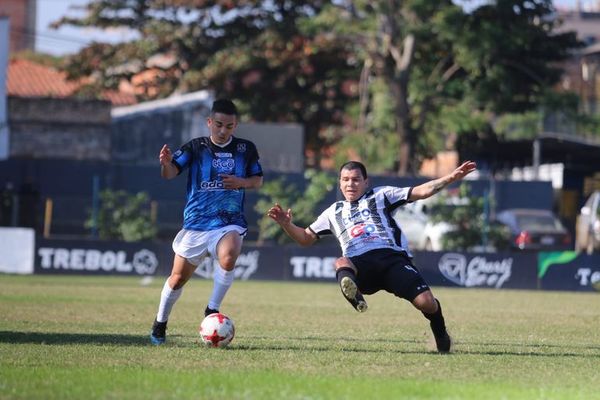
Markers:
<point>217,330</point>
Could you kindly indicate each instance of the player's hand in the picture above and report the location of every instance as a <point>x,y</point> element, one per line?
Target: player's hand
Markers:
<point>278,215</point>
<point>232,181</point>
<point>463,170</point>
<point>165,156</point>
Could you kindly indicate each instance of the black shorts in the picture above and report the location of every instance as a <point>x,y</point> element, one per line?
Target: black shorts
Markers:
<point>389,270</point>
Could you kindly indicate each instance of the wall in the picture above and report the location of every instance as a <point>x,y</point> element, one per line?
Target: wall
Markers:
<point>139,132</point>
<point>70,183</point>
<point>59,128</point>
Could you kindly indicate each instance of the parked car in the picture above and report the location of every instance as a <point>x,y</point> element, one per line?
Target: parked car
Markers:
<point>533,229</point>
<point>587,227</point>
<point>415,221</point>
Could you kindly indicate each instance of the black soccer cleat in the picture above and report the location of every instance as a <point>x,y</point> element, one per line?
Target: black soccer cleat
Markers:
<point>158,335</point>
<point>443,341</point>
<point>352,294</point>
<point>209,311</point>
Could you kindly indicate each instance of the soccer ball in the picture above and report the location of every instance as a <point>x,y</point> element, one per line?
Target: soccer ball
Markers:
<point>217,330</point>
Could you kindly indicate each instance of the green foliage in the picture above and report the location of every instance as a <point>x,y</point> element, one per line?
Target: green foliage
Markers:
<point>38,58</point>
<point>303,204</point>
<point>519,126</point>
<point>378,151</point>
<point>588,124</point>
<point>123,216</point>
<point>470,227</point>
<point>268,56</point>
<point>301,61</point>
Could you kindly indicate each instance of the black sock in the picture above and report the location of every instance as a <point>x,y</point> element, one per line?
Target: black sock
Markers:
<point>436,319</point>
<point>345,271</point>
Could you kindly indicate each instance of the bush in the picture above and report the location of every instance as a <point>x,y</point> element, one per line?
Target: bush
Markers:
<point>303,204</point>
<point>123,216</point>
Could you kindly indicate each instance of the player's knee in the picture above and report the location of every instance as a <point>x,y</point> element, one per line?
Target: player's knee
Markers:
<point>425,302</point>
<point>227,261</point>
<point>344,262</point>
<point>176,281</point>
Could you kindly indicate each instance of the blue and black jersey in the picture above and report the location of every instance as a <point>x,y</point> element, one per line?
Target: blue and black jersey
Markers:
<point>210,206</point>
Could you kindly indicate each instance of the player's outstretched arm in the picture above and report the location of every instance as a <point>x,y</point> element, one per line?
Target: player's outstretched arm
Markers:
<point>304,237</point>
<point>432,187</point>
<point>167,169</point>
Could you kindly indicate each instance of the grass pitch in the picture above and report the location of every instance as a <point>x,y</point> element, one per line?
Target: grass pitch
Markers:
<point>87,338</point>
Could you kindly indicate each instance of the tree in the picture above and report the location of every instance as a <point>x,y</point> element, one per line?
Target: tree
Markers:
<point>265,54</point>
<point>437,58</point>
<point>312,61</point>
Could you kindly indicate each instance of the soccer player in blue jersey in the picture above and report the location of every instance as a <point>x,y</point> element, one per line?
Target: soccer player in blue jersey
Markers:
<point>220,168</point>
<point>375,253</point>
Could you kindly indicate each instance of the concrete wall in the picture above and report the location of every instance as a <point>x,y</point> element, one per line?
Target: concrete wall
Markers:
<point>139,132</point>
<point>59,128</point>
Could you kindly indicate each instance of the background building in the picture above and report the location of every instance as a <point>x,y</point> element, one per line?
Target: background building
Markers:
<point>22,15</point>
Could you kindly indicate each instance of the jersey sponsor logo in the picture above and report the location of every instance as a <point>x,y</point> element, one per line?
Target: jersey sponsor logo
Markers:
<point>366,213</point>
<point>227,164</point>
<point>478,271</point>
<point>362,230</point>
<point>223,154</point>
<point>212,185</point>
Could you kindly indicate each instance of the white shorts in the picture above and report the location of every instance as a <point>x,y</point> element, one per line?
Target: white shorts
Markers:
<point>195,245</point>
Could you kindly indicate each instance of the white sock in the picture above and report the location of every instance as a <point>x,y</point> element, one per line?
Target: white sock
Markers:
<point>222,282</point>
<point>168,297</point>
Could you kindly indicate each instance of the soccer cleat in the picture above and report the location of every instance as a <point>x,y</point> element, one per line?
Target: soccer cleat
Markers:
<point>209,311</point>
<point>443,341</point>
<point>352,294</point>
<point>158,335</point>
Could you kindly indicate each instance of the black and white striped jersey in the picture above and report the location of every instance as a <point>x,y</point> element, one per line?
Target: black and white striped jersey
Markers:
<point>367,223</point>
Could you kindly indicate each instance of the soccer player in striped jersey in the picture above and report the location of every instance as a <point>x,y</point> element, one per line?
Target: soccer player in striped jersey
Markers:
<point>375,252</point>
<point>220,168</point>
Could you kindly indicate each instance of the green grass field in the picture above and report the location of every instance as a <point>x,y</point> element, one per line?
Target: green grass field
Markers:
<point>87,338</point>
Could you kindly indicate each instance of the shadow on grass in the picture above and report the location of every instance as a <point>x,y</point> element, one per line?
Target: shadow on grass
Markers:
<point>350,345</point>
<point>481,348</point>
<point>73,338</point>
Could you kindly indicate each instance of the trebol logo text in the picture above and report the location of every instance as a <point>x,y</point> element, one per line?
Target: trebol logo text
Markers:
<point>475,272</point>
<point>143,262</point>
<point>245,266</point>
<point>313,267</point>
<point>588,277</point>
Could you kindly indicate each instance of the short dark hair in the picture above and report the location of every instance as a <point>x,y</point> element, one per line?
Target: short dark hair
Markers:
<point>224,106</point>
<point>350,165</point>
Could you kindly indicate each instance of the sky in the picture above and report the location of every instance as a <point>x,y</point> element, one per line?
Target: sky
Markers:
<point>67,40</point>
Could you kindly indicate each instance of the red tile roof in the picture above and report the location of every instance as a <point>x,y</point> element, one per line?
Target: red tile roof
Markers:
<point>28,79</point>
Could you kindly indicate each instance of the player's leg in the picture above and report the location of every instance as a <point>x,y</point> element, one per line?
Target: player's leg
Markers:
<point>432,310</point>
<point>404,280</point>
<point>180,273</point>
<point>227,251</point>
<point>346,273</point>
